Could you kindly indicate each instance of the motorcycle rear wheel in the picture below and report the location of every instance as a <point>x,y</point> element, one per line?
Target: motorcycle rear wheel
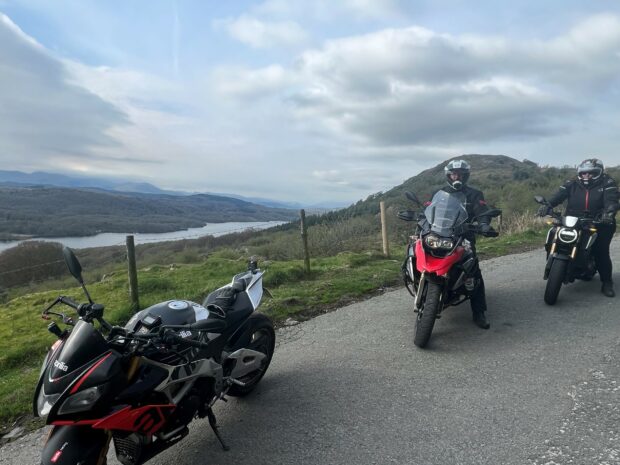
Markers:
<point>557,273</point>
<point>427,316</point>
<point>262,339</point>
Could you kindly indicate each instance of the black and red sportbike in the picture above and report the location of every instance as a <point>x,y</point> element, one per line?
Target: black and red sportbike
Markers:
<point>440,268</point>
<point>142,384</point>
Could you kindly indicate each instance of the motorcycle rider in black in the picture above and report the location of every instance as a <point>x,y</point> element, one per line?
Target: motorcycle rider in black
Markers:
<point>592,194</point>
<point>457,174</point>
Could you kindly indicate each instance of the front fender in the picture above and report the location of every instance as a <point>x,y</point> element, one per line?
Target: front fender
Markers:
<point>75,445</point>
<point>555,256</point>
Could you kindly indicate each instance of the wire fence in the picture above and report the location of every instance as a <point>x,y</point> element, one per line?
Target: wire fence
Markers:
<point>334,239</point>
<point>112,259</point>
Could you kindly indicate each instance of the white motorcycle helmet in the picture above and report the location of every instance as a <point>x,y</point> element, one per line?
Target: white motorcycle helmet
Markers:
<point>589,171</point>
<point>460,167</point>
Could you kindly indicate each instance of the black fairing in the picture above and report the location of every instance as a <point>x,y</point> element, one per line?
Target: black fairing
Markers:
<point>69,445</point>
<point>83,345</point>
<point>147,379</point>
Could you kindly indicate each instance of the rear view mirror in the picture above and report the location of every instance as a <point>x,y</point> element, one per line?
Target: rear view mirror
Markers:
<point>406,215</point>
<point>73,264</point>
<point>540,199</point>
<point>411,196</point>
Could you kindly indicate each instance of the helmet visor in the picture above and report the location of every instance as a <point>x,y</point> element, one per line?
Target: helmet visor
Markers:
<point>590,173</point>
<point>460,172</point>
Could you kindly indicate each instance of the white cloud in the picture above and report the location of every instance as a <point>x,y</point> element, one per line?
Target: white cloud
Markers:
<point>346,117</point>
<point>264,34</point>
<point>43,114</point>
<point>251,84</point>
<point>412,87</point>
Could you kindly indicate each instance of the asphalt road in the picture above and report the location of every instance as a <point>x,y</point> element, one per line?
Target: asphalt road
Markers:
<point>542,386</point>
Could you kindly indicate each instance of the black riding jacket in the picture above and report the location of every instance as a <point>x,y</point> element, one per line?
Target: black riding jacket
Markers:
<point>474,204</point>
<point>600,196</point>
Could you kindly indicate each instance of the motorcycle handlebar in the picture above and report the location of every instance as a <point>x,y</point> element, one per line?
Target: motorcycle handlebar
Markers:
<point>67,301</point>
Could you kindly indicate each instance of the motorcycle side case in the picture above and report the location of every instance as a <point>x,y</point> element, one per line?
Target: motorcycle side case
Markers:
<point>68,445</point>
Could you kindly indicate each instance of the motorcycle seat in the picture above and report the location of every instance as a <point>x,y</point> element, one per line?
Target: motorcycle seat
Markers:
<point>233,303</point>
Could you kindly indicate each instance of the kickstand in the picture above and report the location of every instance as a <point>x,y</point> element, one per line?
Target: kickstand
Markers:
<point>213,423</point>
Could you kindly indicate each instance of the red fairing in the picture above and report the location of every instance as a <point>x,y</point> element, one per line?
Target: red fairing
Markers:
<point>438,265</point>
<point>148,419</point>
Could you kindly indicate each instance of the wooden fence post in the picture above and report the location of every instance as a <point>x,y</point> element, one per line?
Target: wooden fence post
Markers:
<point>304,238</point>
<point>133,274</point>
<point>386,247</point>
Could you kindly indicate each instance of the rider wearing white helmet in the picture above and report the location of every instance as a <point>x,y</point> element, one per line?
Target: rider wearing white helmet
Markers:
<point>457,174</point>
<point>592,194</point>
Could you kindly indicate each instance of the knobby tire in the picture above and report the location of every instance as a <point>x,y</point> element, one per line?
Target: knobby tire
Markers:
<point>425,322</point>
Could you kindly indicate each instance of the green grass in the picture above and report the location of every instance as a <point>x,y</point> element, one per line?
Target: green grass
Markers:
<point>333,282</point>
<point>502,245</point>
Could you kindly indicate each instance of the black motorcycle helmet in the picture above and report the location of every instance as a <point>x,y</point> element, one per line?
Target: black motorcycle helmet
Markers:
<point>460,167</point>
<point>592,167</point>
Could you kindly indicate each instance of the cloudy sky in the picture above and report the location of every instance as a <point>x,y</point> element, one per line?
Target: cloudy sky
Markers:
<point>310,101</point>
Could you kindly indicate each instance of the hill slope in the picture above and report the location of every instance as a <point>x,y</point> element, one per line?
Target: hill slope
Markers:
<point>52,211</point>
<point>507,183</point>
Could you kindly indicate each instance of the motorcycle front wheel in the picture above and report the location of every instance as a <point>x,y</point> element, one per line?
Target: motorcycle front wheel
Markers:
<point>555,280</point>
<point>262,339</point>
<point>426,317</point>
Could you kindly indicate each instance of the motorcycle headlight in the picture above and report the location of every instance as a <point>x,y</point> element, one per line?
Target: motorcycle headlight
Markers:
<point>435,242</point>
<point>567,235</point>
<point>45,403</point>
<point>81,400</point>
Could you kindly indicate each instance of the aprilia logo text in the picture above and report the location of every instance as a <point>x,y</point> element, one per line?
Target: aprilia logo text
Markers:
<point>60,365</point>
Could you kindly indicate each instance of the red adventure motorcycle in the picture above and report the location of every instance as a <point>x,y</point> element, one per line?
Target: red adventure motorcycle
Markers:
<point>141,385</point>
<point>440,267</point>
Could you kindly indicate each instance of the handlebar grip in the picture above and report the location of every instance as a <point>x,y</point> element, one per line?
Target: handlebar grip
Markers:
<point>69,302</point>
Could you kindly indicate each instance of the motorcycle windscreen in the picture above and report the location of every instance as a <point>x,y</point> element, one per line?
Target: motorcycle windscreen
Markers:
<point>446,212</point>
<point>83,345</point>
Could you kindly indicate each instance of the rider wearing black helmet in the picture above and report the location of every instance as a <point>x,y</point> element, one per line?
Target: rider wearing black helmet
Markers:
<point>457,174</point>
<point>592,194</point>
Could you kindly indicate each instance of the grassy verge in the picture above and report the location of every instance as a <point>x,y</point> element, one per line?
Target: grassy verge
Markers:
<point>333,282</point>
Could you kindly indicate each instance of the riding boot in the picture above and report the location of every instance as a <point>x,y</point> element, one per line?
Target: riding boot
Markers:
<point>608,289</point>
<point>479,305</point>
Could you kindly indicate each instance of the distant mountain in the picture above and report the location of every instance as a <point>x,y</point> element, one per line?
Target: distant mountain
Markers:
<point>41,178</point>
<point>59,211</point>
<point>314,208</point>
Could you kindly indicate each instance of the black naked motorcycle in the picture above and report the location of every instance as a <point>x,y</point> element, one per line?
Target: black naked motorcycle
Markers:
<point>440,267</point>
<point>142,384</point>
<point>568,245</point>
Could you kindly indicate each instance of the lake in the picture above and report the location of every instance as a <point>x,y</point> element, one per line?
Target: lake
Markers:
<point>107,239</point>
